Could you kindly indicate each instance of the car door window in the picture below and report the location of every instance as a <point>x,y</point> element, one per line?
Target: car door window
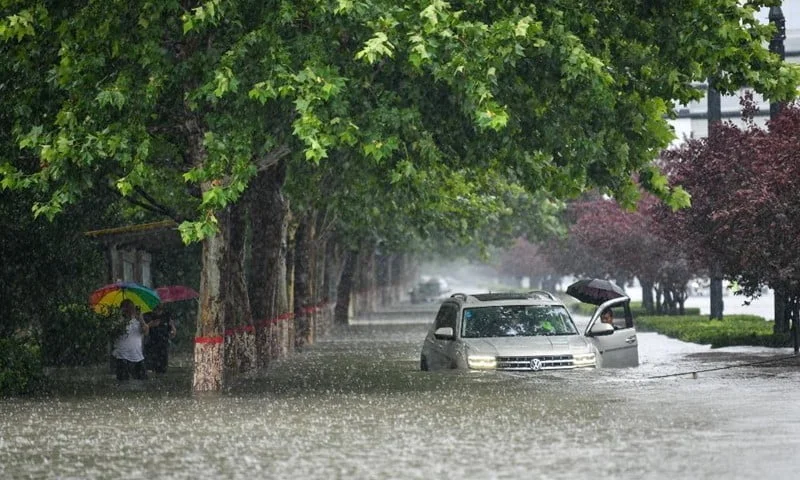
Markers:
<point>622,316</point>
<point>446,317</point>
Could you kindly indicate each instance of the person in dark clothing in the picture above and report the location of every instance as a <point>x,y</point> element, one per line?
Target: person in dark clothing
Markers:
<point>156,346</point>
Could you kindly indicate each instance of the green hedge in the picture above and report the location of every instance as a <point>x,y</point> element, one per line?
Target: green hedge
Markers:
<point>20,366</point>
<point>79,336</point>
<point>636,309</point>
<point>732,330</point>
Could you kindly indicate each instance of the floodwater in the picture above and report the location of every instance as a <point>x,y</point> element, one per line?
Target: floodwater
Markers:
<point>355,406</point>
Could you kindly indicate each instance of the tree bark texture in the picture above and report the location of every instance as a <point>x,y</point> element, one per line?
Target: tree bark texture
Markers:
<point>318,279</point>
<point>365,287</point>
<point>401,277</point>
<point>647,296</point>
<point>268,290</point>
<point>291,231</point>
<point>332,264</point>
<point>240,352</point>
<point>383,278</point>
<point>790,317</point>
<point>715,293</point>
<point>782,321</point>
<point>344,290</point>
<point>209,346</point>
<point>303,239</point>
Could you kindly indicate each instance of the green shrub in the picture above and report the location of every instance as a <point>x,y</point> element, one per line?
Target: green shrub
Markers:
<point>732,330</point>
<point>79,336</point>
<point>20,366</point>
<point>637,310</point>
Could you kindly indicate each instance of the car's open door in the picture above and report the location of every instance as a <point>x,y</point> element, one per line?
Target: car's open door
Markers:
<point>619,348</point>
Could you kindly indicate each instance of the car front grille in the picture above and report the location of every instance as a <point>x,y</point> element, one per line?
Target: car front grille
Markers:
<point>546,362</point>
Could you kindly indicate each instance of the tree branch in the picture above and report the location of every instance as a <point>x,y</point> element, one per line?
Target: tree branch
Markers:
<point>272,157</point>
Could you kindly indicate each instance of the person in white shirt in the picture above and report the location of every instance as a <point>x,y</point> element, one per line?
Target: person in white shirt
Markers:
<point>127,352</point>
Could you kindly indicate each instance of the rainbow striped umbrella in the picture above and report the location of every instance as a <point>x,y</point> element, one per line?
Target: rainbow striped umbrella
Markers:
<point>109,297</point>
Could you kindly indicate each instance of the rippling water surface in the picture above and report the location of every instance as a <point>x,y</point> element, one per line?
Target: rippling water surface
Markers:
<point>355,406</point>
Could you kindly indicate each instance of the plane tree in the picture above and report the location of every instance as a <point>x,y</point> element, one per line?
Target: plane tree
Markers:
<point>438,211</point>
<point>564,96</point>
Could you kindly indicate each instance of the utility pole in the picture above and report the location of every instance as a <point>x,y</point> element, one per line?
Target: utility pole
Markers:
<point>776,46</point>
<point>715,288</point>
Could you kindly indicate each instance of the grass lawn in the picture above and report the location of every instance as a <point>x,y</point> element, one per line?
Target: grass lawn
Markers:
<point>732,330</point>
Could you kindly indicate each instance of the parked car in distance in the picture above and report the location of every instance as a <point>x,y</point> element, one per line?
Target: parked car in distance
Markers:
<point>429,290</point>
<point>531,331</point>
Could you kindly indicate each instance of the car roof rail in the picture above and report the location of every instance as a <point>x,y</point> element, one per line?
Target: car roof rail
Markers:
<point>542,293</point>
<point>462,296</point>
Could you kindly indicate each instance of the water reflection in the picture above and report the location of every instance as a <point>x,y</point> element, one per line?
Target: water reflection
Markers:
<point>356,406</point>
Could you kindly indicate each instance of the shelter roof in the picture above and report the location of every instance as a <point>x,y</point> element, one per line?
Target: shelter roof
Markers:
<point>148,236</point>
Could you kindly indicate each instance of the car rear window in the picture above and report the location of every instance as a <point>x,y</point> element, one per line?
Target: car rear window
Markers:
<point>516,320</point>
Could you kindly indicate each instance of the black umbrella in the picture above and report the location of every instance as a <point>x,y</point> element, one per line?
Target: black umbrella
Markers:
<point>595,291</point>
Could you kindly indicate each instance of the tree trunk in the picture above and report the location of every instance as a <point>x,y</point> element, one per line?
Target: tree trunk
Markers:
<point>288,332</point>
<point>330,264</point>
<point>715,294</point>
<point>792,315</point>
<point>240,353</point>
<point>669,303</point>
<point>268,296</point>
<point>781,317</point>
<point>400,277</point>
<point>365,290</point>
<point>549,283</point>
<point>302,280</point>
<point>344,290</point>
<point>319,244</point>
<point>647,296</point>
<point>209,346</point>
<point>657,292</point>
<point>383,278</point>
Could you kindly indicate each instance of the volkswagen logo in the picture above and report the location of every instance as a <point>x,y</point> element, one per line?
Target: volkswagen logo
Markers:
<point>536,364</point>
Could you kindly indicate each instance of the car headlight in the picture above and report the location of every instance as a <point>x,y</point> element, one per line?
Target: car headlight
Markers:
<point>584,360</point>
<point>482,362</point>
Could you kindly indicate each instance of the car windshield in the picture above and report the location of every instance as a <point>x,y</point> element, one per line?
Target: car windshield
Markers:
<point>516,320</point>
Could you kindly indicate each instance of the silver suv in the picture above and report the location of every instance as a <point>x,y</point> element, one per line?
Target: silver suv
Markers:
<point>520,331</point>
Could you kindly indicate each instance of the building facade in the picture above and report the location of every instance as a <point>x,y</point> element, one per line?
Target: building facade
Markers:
<point>692,119</point>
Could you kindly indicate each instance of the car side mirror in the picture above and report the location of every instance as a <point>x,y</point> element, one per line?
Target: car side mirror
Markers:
<point>599,329</point>
<point>444,333</point>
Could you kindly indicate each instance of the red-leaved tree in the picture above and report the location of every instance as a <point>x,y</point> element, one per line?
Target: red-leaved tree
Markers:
<point>607,241</point>
<point>745,214</point>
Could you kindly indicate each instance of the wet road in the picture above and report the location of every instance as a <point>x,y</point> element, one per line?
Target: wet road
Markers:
<point>355,406</point>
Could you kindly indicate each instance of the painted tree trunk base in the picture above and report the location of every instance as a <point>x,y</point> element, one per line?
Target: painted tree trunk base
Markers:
<point>208,371</point>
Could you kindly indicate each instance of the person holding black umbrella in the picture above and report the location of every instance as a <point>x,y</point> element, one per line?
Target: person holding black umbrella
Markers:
<point>608,317</point>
